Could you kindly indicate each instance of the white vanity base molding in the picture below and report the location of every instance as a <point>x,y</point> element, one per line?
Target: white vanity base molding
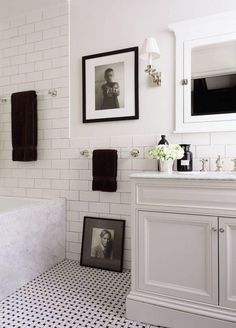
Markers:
<point>183,250</point>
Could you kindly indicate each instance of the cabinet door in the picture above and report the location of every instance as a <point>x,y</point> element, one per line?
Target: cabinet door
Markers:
<point>178,255</point>
<point>227,251</point>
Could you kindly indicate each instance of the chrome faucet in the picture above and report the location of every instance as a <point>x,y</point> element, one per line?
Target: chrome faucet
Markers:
<point>204,162</point>
<point>219,164</point>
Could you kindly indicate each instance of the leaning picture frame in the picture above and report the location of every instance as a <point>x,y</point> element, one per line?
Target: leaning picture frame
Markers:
<point>103,243</point>
<point>110,86</point>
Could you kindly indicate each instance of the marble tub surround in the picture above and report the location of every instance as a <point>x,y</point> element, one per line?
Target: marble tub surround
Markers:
<point>32,239</point>
<point>10,204</point>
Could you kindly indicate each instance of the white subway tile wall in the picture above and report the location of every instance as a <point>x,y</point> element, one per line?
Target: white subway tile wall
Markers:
<point>34,55</point>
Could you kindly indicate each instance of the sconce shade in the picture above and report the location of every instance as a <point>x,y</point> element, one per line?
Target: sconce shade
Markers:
<point>150,47</point>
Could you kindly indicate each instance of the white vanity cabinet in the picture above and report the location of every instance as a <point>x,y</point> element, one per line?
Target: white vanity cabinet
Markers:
<point>227,258</point>
<point>178,255</point>
<point>183,250</point>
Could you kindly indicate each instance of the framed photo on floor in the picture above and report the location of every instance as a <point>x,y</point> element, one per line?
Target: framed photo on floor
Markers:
<point>110,86</point>
<point>103,243</point>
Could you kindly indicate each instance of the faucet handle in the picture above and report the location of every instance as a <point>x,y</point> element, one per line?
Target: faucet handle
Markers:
<point>219,164</point>
<point>204,162</point>
<point>234,161</point>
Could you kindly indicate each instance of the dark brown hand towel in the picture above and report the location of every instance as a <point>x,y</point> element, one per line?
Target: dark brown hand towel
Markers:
<point>24,126</point>
<point>104,169</point>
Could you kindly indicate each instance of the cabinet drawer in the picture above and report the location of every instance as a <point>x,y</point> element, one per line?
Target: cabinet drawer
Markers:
<point>177,194</point>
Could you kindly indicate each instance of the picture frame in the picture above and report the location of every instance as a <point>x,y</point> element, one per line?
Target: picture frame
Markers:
<point>103,243</point>
<point>110,86</point>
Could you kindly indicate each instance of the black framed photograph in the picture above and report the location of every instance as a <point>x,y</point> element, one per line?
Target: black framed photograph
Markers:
<point>103,243</point>
<point>110,86</point>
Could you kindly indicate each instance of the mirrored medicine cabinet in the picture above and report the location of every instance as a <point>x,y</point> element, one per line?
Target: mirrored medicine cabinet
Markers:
<point>206,74</point>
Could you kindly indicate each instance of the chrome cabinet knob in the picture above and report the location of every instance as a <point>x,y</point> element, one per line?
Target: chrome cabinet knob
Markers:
<point>222,230</point>
<point>214,229</point>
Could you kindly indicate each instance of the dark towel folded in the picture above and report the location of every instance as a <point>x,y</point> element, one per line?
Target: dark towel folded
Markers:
<point>104,170</point>
<point>24,126</point>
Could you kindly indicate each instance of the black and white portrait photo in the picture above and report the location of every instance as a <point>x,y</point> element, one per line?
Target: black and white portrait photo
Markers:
<point>103,243</point>
<point>109,86</point>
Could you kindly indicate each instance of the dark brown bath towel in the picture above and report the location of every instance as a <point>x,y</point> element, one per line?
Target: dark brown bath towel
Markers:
<point>24,126</point>
<point>105,170</point>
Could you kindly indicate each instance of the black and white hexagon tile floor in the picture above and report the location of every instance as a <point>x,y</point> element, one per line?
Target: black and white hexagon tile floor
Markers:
<point>69,296</point>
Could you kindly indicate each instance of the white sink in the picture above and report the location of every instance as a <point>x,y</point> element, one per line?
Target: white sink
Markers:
<point>206,175</point>
<point>194,172</point>
<point>209,174</point>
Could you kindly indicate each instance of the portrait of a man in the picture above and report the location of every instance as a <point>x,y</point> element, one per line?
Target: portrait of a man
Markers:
<point>102,243</point>
<point>110,90</point>
<point>109,86</point>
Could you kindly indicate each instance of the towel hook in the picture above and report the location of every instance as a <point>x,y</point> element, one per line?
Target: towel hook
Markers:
<point>134,153</point>
<point>84,153</point>
<point>3,100</point>
<point>52,92</point>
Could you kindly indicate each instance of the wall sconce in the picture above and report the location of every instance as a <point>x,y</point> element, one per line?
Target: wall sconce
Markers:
<point>150,51</point>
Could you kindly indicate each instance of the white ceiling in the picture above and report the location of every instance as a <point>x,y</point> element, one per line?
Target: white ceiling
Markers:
<point>11,8</point>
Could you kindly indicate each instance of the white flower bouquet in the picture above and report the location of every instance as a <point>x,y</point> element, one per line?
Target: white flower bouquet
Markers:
<point>166,152</point>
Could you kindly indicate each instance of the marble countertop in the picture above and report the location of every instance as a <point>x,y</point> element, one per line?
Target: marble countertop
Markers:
<point>194,175</point>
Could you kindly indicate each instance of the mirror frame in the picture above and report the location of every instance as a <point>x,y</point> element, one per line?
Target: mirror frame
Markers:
<point>194,33</point>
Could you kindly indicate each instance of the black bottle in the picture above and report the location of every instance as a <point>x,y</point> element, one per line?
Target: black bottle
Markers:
<point>163,140</point>
<point>185,163</point>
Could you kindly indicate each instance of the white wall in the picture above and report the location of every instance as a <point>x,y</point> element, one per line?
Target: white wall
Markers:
<point>34,55</point>
<point>105,25</point>
<point>13,8</point>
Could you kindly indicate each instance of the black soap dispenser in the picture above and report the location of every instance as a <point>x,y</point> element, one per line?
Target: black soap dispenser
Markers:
<point>186,162</point>
<point>163,140</point>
